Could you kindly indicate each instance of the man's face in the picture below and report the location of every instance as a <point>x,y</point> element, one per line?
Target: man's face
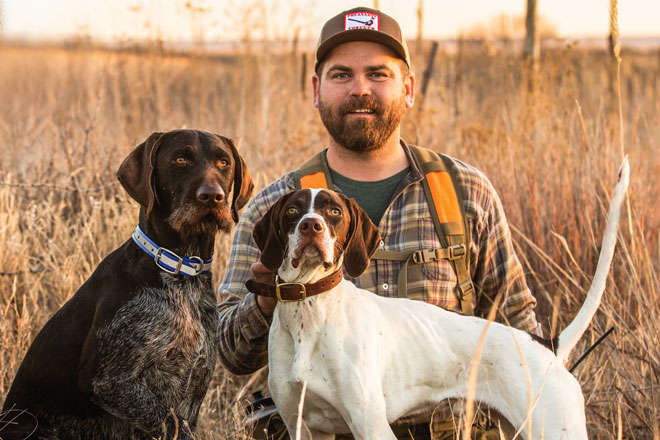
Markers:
<point>362,94</point>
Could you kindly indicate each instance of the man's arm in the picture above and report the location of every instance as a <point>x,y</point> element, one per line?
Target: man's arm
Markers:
<point>497,270</point>
<point>243,328</point>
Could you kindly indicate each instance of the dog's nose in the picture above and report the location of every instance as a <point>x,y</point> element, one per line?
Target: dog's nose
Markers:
<point>211,194</point>
<point>311,226</point>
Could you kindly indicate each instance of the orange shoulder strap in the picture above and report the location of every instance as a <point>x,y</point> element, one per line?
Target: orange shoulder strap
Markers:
<point>314,173</point>
<point>444,196</point>
<point>316,180</point>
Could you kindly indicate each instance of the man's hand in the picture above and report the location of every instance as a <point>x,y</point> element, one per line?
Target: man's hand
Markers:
<point>264,275</point>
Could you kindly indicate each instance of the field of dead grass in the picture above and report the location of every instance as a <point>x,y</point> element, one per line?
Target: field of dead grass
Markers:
<point>551,148</point>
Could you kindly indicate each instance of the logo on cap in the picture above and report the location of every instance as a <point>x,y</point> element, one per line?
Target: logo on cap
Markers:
<point>361,20</point>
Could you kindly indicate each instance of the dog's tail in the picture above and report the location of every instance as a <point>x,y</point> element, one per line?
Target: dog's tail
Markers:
<point>569,337</point>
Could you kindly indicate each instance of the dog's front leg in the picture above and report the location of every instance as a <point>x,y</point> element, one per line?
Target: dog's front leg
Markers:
<point>120,372</point>
<point>357,397</point>
<point>356,385</point>
<point>370,422</point>
<point>137,406</point>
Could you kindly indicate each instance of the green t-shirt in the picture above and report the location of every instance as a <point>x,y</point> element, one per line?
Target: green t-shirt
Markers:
<point>373,197</point>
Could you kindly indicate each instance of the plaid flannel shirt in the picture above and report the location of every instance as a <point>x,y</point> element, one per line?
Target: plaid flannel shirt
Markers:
<point>405,226</point>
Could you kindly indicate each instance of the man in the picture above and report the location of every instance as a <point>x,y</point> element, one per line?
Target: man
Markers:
<point>362,88</point>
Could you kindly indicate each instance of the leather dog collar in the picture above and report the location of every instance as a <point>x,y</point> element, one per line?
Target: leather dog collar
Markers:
<point>287,292</point>
<point>167,260</point>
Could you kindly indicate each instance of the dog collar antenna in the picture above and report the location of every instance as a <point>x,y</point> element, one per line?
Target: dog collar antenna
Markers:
<point>169,261</point>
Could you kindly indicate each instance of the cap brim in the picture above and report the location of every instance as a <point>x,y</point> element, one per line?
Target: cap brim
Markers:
<point>360,35</point>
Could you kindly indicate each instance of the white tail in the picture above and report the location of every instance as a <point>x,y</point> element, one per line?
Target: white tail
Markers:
<point>569,337</point>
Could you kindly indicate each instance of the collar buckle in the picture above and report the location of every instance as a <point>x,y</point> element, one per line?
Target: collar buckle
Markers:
<point>157,259</point>
<point>278,293</point>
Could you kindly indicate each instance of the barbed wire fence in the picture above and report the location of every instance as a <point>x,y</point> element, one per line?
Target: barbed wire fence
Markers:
<point>65,188</point>
<point>51,187</point>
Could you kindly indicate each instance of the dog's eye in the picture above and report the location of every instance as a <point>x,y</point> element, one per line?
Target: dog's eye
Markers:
<point>180,160</point>
<point>292,210</point>
<point>223,163</point>
<point>334,211</point>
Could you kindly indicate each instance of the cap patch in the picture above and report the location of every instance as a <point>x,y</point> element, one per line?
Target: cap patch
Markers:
<point>361,20</point>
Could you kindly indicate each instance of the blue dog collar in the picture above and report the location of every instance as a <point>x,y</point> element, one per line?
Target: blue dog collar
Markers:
<point>168,260</point>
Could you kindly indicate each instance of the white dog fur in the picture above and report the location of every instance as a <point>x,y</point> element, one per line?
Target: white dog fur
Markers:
<point>367,360</point>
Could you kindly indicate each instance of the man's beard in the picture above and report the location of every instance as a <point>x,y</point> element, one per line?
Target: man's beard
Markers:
<point>362,134</point>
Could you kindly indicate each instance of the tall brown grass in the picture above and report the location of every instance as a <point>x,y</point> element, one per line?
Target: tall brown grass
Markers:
<point>552,151</point>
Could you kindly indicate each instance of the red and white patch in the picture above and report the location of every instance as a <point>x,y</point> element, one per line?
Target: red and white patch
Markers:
<point>361,20</point>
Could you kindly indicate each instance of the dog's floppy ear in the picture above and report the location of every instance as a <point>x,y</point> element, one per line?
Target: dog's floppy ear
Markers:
<point>136,172</point>
<point>269,237</point>
<point>243,185</point>
<point>362,242</point>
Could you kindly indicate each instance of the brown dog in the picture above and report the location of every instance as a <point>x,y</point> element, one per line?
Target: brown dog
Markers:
<point>131,354</point>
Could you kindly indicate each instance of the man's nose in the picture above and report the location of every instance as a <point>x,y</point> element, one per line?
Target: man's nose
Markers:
<point>360,86</point>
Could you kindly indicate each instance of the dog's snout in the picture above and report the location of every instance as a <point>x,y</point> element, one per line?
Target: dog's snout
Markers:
<point>210,194</point>
<point>311,226</point>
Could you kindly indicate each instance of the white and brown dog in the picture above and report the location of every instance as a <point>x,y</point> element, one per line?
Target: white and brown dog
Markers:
<point>367,360</point>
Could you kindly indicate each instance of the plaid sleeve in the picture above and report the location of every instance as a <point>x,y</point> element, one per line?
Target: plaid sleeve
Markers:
<point>243,329</point>
<point>497,270</point>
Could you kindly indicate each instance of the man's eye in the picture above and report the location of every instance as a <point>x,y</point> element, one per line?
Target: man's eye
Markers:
<point>292,210</point>
<point>334,211</point>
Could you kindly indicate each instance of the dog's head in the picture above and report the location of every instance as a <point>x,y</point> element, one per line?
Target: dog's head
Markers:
<point>308,233</point>
<point>186,176</point>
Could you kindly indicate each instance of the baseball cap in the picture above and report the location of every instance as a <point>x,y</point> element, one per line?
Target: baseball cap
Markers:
<point>361,24</point>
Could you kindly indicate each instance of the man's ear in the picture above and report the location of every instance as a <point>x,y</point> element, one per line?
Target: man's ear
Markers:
<point>316,83</point>
<point>409,86</point>
<point>269,236</point>
<point>362,242</point>
<point>242,186</point>
<point>136,172</point>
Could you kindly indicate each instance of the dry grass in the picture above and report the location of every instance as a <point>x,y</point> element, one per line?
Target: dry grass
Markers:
<point>549,143</point>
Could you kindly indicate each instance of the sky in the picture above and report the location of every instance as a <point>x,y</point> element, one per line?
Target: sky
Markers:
<point>122,20</point>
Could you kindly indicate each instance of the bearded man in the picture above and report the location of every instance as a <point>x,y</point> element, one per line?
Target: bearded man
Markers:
<point>362,88</point>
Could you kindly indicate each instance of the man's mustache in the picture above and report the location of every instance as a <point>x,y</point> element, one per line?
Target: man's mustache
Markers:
<point>360,103</point>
